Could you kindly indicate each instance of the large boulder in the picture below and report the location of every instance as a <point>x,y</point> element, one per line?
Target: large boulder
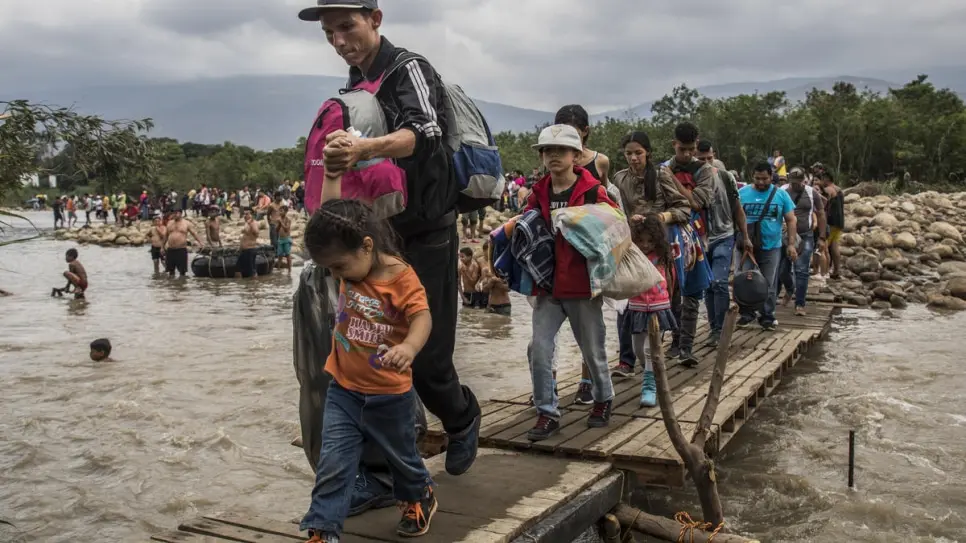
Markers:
<point>885,220</point>
<point>949,268</point>
<point>879,239</point>
<point>853,240</point>
<point>908,207</point>
<point>904,240</point>
<point>862,209</point>
<point>862,263</point>
<point>957,287</point>
<point>946,230</point>
<point>865,189</point>
<point>852,198</point>
<point>946,302</point>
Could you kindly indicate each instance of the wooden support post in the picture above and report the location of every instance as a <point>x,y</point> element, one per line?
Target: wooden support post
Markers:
<point>670,530</point>
<point>699,466</point>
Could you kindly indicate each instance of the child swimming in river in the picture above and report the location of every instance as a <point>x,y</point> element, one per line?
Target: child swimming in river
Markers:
<point>382,322</point>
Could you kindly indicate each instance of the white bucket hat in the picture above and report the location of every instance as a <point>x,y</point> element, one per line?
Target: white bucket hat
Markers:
<point>559,135</point>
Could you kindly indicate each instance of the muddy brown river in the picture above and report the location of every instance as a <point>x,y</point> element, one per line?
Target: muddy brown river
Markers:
<point>196,412</point>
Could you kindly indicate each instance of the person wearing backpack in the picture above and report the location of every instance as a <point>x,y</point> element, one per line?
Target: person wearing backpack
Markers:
<point>810,216</point>
<point>696,180</point>
<point>414,100</point>
<point>725,218</point>
<point>766,206</point>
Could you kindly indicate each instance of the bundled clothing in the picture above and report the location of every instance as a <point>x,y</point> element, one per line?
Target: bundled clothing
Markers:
<point>533,247</point>
<point>600,233</point>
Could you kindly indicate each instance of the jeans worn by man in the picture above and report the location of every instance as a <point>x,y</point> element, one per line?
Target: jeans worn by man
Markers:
<point>768,262</point>
<point>793,276</point>
<point>717,298</point>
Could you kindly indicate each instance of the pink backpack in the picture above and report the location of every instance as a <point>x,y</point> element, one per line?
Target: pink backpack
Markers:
<point>379,182</point>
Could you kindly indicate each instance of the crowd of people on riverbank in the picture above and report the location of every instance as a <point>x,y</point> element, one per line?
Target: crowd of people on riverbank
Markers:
<point>693,221</point>
<point>70,209</point>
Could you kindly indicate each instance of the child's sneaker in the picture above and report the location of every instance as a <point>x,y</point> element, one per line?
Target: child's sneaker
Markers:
<point>648,390</point>
<point>323,538</point>
<point>585,394</point>
<point>545,428</point>
<point>417,516</point>
<point>599,415</point>
<point>623,371</point>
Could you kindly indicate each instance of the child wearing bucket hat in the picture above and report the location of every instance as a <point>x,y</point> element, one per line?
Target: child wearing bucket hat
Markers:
<point>567,185</point>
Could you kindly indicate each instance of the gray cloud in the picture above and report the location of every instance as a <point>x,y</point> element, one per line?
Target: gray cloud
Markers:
<point>533,53</point>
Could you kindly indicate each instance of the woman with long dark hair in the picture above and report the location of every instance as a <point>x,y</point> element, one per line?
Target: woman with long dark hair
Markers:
<point>645,190</point>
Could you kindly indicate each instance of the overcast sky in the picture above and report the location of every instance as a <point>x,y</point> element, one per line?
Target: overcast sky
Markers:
<point>530,53</point>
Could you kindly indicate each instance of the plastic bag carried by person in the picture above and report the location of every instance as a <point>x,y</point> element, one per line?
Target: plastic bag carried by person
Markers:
<point>635,274</point>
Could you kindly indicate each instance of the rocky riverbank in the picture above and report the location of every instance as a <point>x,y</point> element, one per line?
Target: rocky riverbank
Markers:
<point>903,249</point>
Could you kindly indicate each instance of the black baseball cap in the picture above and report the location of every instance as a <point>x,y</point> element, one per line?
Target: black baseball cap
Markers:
<point>315,13</point>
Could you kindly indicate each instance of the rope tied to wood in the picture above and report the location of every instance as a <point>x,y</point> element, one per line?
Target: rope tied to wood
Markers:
<point>689,525</point>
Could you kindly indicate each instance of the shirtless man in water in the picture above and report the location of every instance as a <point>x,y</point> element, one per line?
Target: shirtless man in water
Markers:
<point>157,233</point>
<point>249,241</point>
<point>176,244</point>
<point>213,227</point>
<point>284,248</point>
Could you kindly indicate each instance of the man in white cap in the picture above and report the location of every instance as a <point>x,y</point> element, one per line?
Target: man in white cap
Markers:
<point>412,94</point>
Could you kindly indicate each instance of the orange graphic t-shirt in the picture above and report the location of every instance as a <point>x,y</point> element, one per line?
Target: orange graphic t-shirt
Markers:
<point>372,313</point>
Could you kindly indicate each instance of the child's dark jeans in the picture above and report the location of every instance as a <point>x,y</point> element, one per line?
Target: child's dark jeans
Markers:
<point>350,418</point>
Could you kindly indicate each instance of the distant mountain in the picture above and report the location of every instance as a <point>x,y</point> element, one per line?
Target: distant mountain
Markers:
<point>267,112</point>
<point>264,112</point>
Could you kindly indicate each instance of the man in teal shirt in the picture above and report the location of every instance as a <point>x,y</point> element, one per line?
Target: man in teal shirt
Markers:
<point>765,207</point>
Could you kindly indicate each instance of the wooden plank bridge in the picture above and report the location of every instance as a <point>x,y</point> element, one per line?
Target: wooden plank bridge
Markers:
<point>550,491</point>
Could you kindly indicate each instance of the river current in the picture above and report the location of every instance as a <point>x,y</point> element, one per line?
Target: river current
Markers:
<point>196,411</point>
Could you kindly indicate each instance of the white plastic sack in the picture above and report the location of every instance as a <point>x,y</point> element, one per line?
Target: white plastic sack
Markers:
<point>635,274</point>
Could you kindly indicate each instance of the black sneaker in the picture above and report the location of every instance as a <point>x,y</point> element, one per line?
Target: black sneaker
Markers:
<point>673,351</point>
<point>713,339</point>
<point>417,516</point>
<point>369,493</point>
<point>769,326</point>
<point>688,360</point>
<point>545,428</point>
<point>599,415</point>
<point>585,394</point>
<point>744,321</point>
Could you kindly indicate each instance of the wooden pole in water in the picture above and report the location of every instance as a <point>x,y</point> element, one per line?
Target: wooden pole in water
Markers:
<point>851,458</point>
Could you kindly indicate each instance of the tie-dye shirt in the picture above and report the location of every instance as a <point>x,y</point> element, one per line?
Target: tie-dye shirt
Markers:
<point>371,313</point>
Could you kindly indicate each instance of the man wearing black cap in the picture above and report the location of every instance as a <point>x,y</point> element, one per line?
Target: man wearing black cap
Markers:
<point>411,92</point>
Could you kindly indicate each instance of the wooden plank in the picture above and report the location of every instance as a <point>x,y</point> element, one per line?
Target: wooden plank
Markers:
<point>572,422</point>
<point>589,436</point>
<point>230,532</point>
<point>579,513</point>
<point>175,536</point>
<point>499,421</point>
<point>279,528</point>
<point>612,441</point>
<point>503,494</point>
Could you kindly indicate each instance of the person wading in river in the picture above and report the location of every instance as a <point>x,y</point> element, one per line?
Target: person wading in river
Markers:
<point>249,241</point>
<point>413,96</point>
<point>176,244</point>
<point>157,233</point>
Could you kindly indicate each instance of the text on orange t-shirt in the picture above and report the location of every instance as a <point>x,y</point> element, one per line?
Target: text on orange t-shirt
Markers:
<point>371,313</point>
